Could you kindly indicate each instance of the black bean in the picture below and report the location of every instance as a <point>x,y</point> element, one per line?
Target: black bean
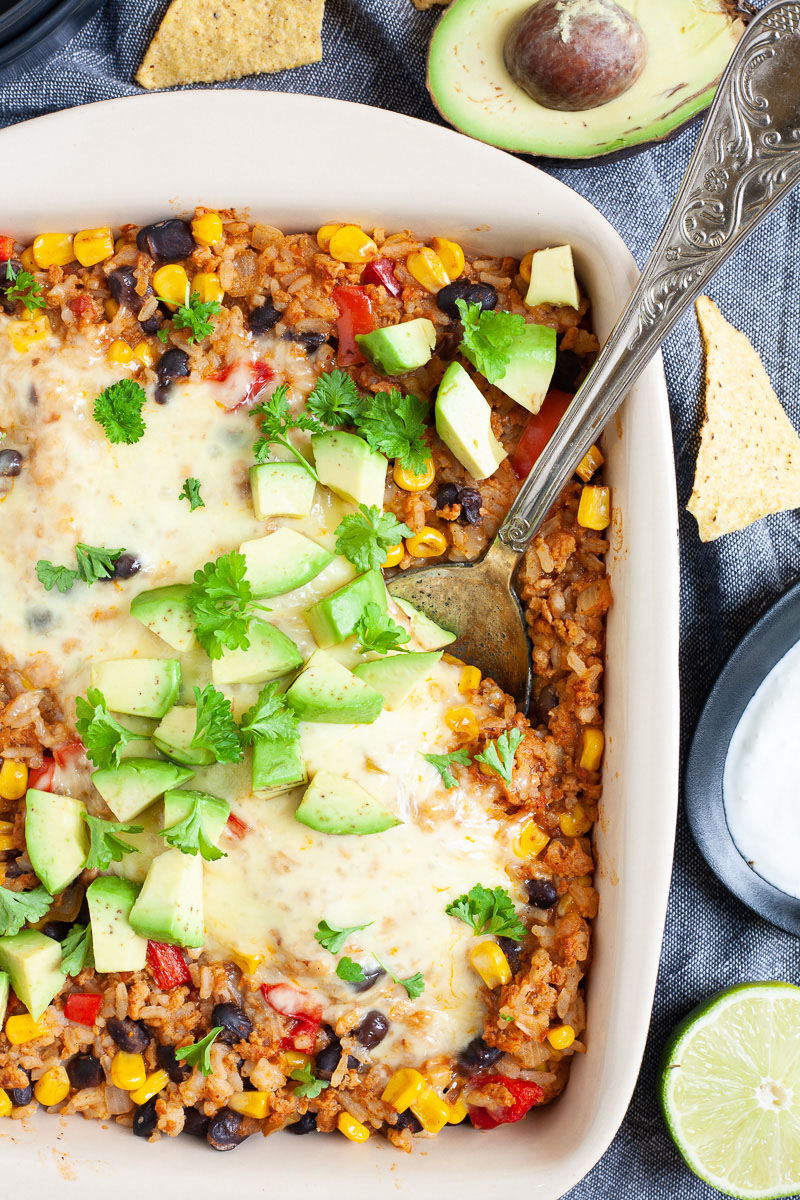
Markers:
<point>546,701</point>
<point>446,495</point>
<point>19,1097</point>
<point>85,1071</point>
<point>306,1124</point>
<point>195,1123</point>
<point>512,951</point>
<point>177,1071</point>
<point>153,323</point>
<point>407,1120</point>
<point>235,1023</point>
<point>145,1119</point>
<point>470,500</point>
<point>470,293</point>
<point>373,1029</point>
<point>125,567</point>
<point>57,930</point>
<point>38,619</point>
<point>568,369</point>
<point>477,1055</point>
<point>311,342</point>
<point>166,241</point>
<point>9,270</point>
<point>10,462</point>
<point>328,1060</point>
<point>541,893</point>
<point>263,318</point>
<point>371,976</point>
<point>131,1036</point>
<point>172,365</point>
<point>224,1130</point>
<point>122,286</point>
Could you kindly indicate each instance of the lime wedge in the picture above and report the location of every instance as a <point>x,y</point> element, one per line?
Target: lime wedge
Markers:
<point>730,1090</point>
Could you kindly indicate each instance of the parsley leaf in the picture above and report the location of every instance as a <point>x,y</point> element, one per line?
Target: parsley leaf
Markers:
<point>194,315</point>
<point>189,835</point>
<point>222,604</point>
<point>276,422</point>
<point>500,755</point>
<point>310,1087</point>
<point>335,399</point>
<point>101,734</point>
<point>414,984</point>
<point>488,912</point>
<point>350,971</point>
<point>95,562</point>
<point>191,492</point>
<point>77,950</point>
<point>216,729</point>
<point>18,907</point>
<point>443,762</point>
<point>51,576</point>
<point>333,937</point>
<point>199,1054</point>
<point>394,424</point>
<point>119,410</point>
<point>487,338</point>
<point>270,719</point>
<point>105,846</point>
<point>24,288</point>
<point>365,537</point>
<point>377,631</point>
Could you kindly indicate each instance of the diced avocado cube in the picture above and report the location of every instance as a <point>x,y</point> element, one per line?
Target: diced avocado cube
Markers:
<point>214,812</point>
<point>136,783</point>
<point>347,466</point>
<point>281,490</point>
<point>327,691</point>
<point>463,422</point>
<point>282,561</point>
<point>334,617</point>
<point>141,687</point>
<point>277,765</point>
<point>397,349</point>
<point>271,654</point>
<point>553,278</point>
<point>169,907</point>
<point>175,734</point>
<point>56,836</point>
<point>117,946</point>
<point>335,804</point>
<point>5,987</point>
<point>425,632</point>
<point>396,676</point>
<point>533,359</point>
<point>33,963</point>
<point>166,612</point>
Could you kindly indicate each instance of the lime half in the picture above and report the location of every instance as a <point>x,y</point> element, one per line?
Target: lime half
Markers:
<point>730,1090</point>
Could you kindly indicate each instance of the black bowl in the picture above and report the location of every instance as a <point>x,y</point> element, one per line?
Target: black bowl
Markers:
<point>759,650</point>
<point>31,31</point>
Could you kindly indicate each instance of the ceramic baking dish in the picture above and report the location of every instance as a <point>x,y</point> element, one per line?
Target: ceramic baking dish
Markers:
<point>297,161</point>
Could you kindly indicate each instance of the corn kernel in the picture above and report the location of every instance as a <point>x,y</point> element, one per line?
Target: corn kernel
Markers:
<point>152,1085</point>
<point>349,244</point>
<point>409,481</point>
<point>430,1110</point>
<point>6,826</point>
<point>584,880</point>
<point>171,284</point>
<point>576,823</point>
<point>451,256</point>
<point>403,1088</point>
<point>394,555</point>
<point>27,260</point>
<point>526,265</point>
<point>564,905</point>
<point>120,352</point>
<point>470,680</point>
<point>428,543</point>
<point>351,1128</point>
<point>111,309</point>
<point>461,719</point>
<point>325,233</point>
<point>53,250</point>
<point>561,1037</point>
<point>594,509</point>
<point>428,269</point>
<point>453,659</point>
<point>144,352</point>
<point>207,229</point>
<point>13,779</point>
<point>590,462</point>
<point>208,287</point>
<point>491,964</point>
<point>23,334</point>
<point>52,1088</point>
<point>251,1104</point>
<point>295,1060</point>
<point>22,1028</point>
<point>6,841</point>
<point>531,841</point>
<point>5,1104</point>
<point>119,244</point>
<point>93,246</point>
<point>457,1112</point>
<point>248,964</point>
<point>127,1071</point>
<point>592,752</point>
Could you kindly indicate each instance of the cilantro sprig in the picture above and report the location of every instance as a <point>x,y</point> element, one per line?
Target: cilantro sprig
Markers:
<point>222,604</point>
<point>270,719</point>
<point>191,492</point>
<point>487,338</point>
<point>277,421</point>
<point>101,734</point>
<point>18,907</point>
<point>106,846</point>
<point>215,728</point>
<point>394,424</point>
<point>189,835</point>
<point>413,984</point>
<point>77,950</point>
<point>349,970</point>
<point>365,537</point>
<point>499,755</point>
<point>194,315</point>
<point>24,288</point>
<point>335,399</point>
<point>488,911</point>
<point>310,1086</point>
<point>50,576</point>
<point>119,410</point>
<point>333,937</point>
<point>199,1054</point>
<point>93,563</point>
<point>377,631</point>
<point>443,763</point>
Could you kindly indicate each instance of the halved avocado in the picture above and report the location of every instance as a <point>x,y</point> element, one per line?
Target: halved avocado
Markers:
<point>689,43</point>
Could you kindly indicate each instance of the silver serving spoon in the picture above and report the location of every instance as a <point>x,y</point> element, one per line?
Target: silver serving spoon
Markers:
<point>746,159</point>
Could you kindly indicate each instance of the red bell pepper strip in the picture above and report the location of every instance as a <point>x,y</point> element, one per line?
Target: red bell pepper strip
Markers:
<point>381,271</point>
<point>260,376</point>
<point>355,316</point>
<point>306,1015</point>
<point>237,826</point>
<point>525,1096</point>
<point>65,756</point>
<point>83,1007</point>
<point>167,964</point>
<point>539,430</point>
<point>41,777</point>
<point>6,248</point>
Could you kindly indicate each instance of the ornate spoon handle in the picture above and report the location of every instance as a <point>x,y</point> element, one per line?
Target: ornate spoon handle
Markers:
<point>747,158</point>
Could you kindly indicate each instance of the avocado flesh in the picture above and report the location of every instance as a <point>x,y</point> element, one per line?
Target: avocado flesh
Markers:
<point>689,45</point>
<point>5,987</point>
<point>117,947</point>
<point>56,836</point>
<point>337,805</point>
<point>33,963</point>
<point>132,787</point>
<point>169,908</point>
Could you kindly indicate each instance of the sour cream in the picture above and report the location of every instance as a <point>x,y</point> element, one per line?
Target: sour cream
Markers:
<point>761,784</point>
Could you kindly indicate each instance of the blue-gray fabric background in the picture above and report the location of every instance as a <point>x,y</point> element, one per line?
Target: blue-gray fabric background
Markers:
<point>374,53</point>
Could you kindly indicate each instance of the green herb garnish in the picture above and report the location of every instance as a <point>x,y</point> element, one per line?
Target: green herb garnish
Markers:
<point>119,410</point>
<point>101,734</point>
<point>199,1054</point>
<point>333,937</point>
<point>394,424</point>
<point>377,631</point>
<point>191,492</point>
<point>310,1087</point>
<point>94,562</point>
<point>365,537</point>
<point>350,971</point>
<point>77,950</point>
<point>51,576</point>
<point>222,604</point>
<point>414,984</point>
<point>24,288</point>
<point>270,719</point>
<point>277,421</point>
<point>18,907</point>
<point>189,835</point>
<point>488,911</point>
<point>216,729</point>
<point>335,399</point>
<point>488,336</point>
<point>443,762</point>
<point>106,846</point>
<point>499,755</point>
<point>194,315</point>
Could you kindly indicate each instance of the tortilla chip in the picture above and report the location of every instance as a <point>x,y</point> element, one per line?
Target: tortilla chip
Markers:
<point>749,459</point>
<point>208,41</point>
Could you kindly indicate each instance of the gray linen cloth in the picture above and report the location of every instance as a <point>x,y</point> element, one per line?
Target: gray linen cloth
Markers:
<point>711,940</point>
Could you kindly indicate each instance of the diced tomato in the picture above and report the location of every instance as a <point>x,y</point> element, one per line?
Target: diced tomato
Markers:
<point>65,756</point>
<point>260,375</point>
<point>83,306</point>
<point>539,430</point>
<point>167,964</point>
<point>83,1007</point>
<point>41,777</point>
<point>306,1014</point>
<point>237,826</point>
<point>381,271</point>
<point>526,1096</point>
<point>6,247</point>
<point>355,316</point>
